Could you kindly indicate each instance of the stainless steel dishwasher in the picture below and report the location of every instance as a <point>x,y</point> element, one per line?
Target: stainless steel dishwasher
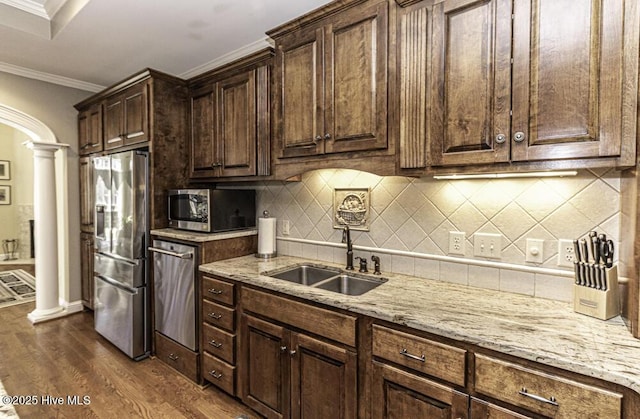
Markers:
<point>174,279</point>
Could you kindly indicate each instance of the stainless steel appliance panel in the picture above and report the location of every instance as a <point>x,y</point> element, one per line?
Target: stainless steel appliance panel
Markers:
<point>175,292</point>
<point>129,273</point>
<point>129,203</point>
<point>120,316</point>
<point>102,192</point>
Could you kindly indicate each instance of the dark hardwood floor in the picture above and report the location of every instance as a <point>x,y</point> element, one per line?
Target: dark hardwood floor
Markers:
<point>66,357</point>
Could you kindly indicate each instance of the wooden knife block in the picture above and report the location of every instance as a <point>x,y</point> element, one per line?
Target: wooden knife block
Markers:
<point>597,303</point>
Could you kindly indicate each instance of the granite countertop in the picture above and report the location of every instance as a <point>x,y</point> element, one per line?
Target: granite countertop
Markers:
<point>545,331</point>
<point>194,236</point>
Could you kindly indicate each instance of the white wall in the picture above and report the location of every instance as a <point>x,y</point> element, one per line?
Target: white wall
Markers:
<point>53,105</point>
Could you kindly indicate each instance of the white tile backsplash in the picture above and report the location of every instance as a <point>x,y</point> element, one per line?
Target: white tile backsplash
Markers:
<point>415,215</point>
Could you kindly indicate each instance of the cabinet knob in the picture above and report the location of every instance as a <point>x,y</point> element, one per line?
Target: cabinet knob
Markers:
<point>327,136</point>
<point>217,164</point>
<point>518,137</point>
<point>283,349</point>
<point>318,138</point>
<point>501,138</point>
<point>292,352</point>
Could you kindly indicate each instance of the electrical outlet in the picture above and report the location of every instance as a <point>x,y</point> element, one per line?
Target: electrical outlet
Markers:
<point>456,242</point>
<point>285,227</point>
<point>535,251</point>
<point>566,252</point>
<point>487,245</point>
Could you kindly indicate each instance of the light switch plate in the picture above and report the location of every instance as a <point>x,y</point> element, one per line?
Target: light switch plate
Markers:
<point>457,242</point>
<point>487,245</point>
<point>285,227</point>
<point>535,251</point>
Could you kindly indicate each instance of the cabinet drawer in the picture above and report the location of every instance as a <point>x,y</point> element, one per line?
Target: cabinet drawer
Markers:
<point>432,358</point>
<point>219,373</point>
<point>219,343</point>
<point>542,393</point>
<point>219,291</point>
<point>177,356</point>
<point>327,323</point>
<point>217,315</point>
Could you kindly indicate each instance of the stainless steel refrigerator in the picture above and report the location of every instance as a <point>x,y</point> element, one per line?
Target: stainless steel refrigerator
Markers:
<point>121,306</point>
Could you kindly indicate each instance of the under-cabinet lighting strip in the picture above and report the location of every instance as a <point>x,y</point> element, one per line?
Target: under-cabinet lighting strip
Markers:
<point>506,175</point>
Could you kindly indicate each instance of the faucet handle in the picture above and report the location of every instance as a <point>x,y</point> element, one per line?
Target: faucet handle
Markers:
<point>363,264</point>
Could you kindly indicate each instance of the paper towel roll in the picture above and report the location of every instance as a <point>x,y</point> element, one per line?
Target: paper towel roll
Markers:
<point>266,237</point>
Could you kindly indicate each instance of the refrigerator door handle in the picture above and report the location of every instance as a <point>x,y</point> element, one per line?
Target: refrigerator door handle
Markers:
<point>117,284</point>
<point>119,258</point>
<point>186,255</point>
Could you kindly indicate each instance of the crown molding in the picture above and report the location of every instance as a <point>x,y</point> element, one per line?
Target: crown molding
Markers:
<point>50,78</point>
<point>229,57</point>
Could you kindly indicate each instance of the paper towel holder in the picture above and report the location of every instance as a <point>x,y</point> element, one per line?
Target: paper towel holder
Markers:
<point>267,253</point>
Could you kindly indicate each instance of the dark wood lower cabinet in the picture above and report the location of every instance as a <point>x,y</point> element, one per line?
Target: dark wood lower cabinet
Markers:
<point>86,266</point>
<point>484,410</point>
<point>290,374</point>
<point>397,394</point>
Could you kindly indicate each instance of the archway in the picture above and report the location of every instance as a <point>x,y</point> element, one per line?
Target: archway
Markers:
<point>49,155</point>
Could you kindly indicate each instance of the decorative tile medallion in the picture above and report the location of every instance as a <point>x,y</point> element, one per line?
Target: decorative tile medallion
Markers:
<point>351,208</point>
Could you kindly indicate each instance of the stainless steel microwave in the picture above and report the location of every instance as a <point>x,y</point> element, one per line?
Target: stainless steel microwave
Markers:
<point>212,210</point>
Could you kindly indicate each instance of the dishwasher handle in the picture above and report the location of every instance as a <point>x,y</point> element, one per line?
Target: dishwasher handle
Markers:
<point>186,255</point>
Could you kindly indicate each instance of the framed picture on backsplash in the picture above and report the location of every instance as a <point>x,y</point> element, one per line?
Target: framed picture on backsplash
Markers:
<point>351,208</point>
<point>5,170</point>
<point>5,195</point>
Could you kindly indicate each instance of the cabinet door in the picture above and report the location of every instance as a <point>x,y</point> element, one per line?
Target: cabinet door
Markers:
<point>86,269</point>
<point>265,384</point>
<point>113,123</point>
<point>90,130</point>
<point>397,394</point>
<point>136,120</point>
<point>483,410</point>
<point>356,80</point>
<point>323,379</point>
<point>471,82</point>
<point>299,91</point>
<point>203,158</point>
<point>86,194</point>
<point>567,92</point>
<point>236,137</point>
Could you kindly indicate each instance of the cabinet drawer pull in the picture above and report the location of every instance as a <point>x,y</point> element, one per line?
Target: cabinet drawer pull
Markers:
<point>215,316</point>
<point>215,344</point>
<point>173,357</point>
<point>551,400</point>
<point>215,291</point>
<point>215,374</point>
<point>408,355</point>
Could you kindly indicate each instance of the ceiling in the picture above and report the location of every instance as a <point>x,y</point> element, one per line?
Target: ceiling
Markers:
<point>92,44</point>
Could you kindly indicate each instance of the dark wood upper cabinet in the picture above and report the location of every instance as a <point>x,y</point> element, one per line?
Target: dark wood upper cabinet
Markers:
<point>230,120</point>
<point>563,87</point>
<point>126,118</point>
<point>331,83</point>
<point>90,130</point>
<point>568,71</point>
<point>471,69</point>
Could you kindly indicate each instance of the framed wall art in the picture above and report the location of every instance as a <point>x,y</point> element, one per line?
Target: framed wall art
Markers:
<point>351,207</point>
<point>5,195</point>
<point>5,170</point>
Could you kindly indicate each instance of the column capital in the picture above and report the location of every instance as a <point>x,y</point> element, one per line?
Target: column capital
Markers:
<point>44,146</point>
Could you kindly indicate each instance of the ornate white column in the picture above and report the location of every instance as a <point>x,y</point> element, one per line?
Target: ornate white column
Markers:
<point>46,232</point>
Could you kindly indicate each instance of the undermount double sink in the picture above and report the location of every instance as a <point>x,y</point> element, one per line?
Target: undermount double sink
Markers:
<point>330,279</point>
